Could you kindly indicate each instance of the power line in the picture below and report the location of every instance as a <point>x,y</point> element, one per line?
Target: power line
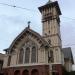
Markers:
<point>14,6</point>
<point>68,18</point>
<point>7,4</point>
<point>69,45</point>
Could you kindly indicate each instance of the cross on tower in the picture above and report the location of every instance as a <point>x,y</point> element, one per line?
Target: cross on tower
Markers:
<point>29,24</point>
<point>49,0</point>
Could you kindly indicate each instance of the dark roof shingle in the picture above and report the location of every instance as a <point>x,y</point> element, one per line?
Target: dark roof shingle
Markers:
<point>68,53</point>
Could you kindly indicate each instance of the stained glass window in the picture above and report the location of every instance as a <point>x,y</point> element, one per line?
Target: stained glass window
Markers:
<point>27,55</point>
<point>33,55</point>
<point>21,56</point>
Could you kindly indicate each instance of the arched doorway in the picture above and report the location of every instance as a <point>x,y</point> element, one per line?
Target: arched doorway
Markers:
<point>34,72</point>
<point>5,73</point>
<point>17,72</point>
<point>25,72</point>
<point>55,73</point>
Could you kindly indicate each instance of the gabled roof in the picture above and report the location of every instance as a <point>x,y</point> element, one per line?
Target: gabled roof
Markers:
<point>25,31</point>
<point>68,53</point>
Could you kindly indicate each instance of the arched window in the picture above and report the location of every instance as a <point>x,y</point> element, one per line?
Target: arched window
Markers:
<point>9,60</point>
<point>52,57</point>
<point>27,55</point>
<point>6,73</point>
<point>21,56</point>
<point>33,55</point>
<point>17,72</point>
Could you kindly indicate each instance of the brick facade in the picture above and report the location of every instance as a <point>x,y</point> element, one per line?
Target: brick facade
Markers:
<point>33,70</point>
<point>41,70</point>
<point>58,69</point>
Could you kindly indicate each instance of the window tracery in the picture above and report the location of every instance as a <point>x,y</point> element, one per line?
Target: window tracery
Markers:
<point>28,54</point>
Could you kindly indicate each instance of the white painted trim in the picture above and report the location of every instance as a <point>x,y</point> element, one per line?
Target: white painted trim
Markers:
<point>31,64</point>
<point>57,63</point>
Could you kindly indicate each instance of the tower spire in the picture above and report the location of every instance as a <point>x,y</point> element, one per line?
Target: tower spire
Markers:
<point>51,27</point>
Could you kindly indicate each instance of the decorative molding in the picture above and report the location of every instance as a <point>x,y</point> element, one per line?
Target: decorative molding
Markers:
<point>33,64</point>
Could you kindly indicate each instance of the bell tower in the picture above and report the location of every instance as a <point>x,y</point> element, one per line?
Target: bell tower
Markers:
<point>51,27</point>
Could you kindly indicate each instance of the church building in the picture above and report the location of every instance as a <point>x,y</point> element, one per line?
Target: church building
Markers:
<point>33,54</point>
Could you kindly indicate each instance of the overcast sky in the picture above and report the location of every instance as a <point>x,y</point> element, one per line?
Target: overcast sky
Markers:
<point>14,20</point>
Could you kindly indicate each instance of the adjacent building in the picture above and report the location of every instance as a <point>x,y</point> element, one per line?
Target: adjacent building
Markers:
<point>1,61</point>
<point>68,58</point>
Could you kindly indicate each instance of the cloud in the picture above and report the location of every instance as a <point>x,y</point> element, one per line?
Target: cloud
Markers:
<point>10,27</point>
<point>67,32</point>
<point>12,19</point>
